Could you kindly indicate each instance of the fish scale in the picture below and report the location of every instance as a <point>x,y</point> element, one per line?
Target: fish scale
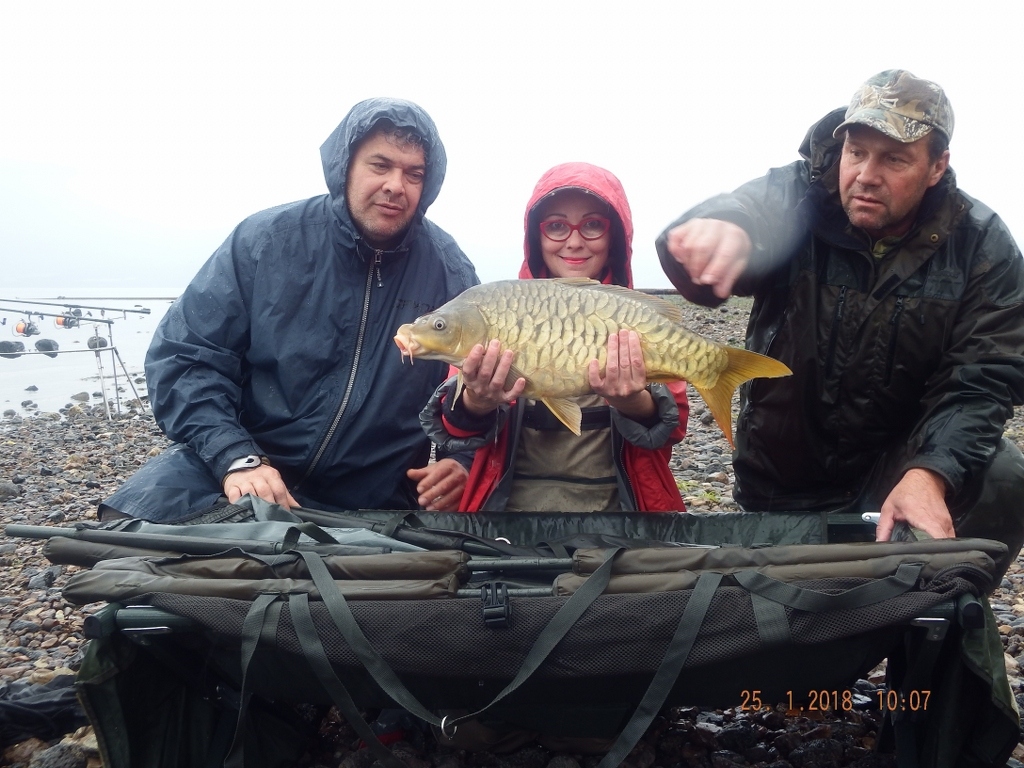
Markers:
<point>555,327</point>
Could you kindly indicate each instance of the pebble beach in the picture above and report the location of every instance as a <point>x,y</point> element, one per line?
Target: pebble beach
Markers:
<point>56,466</point>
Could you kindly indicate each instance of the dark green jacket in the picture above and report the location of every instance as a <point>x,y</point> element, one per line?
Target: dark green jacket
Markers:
<point>923,347</point>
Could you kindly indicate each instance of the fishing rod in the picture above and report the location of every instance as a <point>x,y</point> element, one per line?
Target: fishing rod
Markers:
<point>66,315</point>
<point>190,545</point>
<point>73,318</point>
<point>142,310</point>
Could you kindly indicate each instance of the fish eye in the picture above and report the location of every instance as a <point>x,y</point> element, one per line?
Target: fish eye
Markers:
<point>439,323</point>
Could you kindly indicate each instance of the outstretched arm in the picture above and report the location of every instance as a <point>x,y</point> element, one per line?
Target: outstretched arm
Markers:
<point>713,252</point>
<point>725,245</point>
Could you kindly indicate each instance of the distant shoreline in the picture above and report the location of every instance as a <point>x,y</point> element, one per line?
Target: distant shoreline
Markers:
<point>93,298</point>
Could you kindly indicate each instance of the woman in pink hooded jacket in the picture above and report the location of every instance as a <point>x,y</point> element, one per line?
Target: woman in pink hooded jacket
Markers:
<point>578,224</point>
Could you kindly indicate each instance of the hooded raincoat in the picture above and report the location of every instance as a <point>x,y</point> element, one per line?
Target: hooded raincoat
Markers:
<point>282,346</point>
<point>640,453</point>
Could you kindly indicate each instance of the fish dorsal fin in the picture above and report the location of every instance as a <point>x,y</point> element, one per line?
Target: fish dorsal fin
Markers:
<point>566,411</point>
<point>666,309</point>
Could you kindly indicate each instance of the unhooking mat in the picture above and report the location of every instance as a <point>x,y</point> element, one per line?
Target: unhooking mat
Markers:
<point>590,645</point>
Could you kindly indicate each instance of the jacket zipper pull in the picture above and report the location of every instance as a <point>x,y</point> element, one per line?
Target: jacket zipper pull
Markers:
<point>376,266</point>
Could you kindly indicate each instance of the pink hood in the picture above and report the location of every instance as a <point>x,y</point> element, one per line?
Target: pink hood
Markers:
<point>596,181</point>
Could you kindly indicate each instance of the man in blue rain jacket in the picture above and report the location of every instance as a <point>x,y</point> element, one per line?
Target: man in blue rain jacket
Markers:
<point>275,372</point>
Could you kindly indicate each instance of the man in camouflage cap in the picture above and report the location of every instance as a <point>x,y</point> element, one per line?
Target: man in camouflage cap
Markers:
<point>898,302</point>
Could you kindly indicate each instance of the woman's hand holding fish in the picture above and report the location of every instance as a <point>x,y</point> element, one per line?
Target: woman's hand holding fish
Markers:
<point>440,485</point>
<point>712,252</point>
<point>263,481</point>
<point>484,373</point>
<point>624,384</point>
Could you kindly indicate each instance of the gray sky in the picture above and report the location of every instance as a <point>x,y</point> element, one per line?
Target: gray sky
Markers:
<point>135,136</point>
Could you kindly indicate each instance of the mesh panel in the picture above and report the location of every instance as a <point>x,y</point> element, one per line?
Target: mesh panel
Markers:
<point>618,635</point>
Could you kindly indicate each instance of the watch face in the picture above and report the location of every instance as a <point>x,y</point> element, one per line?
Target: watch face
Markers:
<point>247,462</point>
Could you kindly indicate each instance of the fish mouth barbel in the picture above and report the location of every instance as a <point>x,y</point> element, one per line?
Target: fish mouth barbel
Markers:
<point>557,326</point>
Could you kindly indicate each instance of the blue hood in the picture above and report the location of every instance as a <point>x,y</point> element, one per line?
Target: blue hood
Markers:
<point>336,152</point>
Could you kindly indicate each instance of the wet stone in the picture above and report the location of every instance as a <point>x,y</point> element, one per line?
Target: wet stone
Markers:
<point>20,626</point>
<point>875,760</point>
<point>756,754</point>
<point>726,759</point>
<point>819,753</point>
<point>531,757</point>
<point>738,737</point>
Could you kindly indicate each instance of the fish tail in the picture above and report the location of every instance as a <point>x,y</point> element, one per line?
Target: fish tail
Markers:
<point>743,365</point>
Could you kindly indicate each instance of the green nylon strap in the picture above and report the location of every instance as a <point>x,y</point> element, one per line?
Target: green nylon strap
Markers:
<point>313,649</point>
<point>316,533</point>
<point>378,668</point>
<point>668,671</point>
<point>254,627</point>
<point>402,518</point>
<point>804,599</point>
<point>550,636</point>
<point>772,624</point>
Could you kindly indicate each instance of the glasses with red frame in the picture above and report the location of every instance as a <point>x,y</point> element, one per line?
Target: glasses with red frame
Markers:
<point>560,230</point>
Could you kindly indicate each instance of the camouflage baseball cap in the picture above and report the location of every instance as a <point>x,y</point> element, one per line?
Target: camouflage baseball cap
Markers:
<point>900,105</point>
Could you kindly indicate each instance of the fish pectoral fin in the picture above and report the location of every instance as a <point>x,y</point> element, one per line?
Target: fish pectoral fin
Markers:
<point>566,411</point>
<point>513,374</point>
<point>459,384</point>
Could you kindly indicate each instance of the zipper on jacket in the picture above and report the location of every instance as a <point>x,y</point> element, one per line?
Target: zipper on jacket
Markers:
<point>352,375</point>
<point>894,322</point>
<point>376,266</point>
<point>834,337</point>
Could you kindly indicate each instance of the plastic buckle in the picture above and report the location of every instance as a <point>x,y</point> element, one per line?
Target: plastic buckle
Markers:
<point>497,609</point>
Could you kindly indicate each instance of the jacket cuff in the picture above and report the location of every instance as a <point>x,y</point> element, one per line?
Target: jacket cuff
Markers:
<point>651,437</point>
<point>434,424</point>
<point>954,480</point>
<point>462,422</point>
<point>219,451</point>
<point>465,458</point>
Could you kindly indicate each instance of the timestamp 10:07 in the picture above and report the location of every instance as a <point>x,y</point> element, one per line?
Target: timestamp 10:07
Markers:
<point>831,701</point>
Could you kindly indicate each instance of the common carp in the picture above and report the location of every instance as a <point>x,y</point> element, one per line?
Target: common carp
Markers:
<point>557,326</point>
